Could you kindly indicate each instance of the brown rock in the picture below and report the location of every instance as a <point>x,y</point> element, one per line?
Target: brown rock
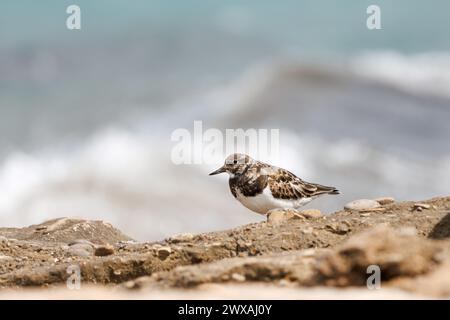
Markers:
<point>338,228</point>
<point>81,250</point>
<point>68,231</point>
<point>421,206</point>
<point>164,252</point>
<point>311,213</point>
<point>396,254</point>
<point>278,217</point>
<point>104,250</point>
<point>238,277</point>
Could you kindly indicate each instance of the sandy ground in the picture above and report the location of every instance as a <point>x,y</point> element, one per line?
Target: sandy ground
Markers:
<point>289,257</point>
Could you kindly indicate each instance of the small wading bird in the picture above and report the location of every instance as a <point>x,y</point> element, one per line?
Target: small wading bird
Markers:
<point>261,187</point>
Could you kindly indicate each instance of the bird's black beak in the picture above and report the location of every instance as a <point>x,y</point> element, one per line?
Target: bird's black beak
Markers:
<point>220,170</point>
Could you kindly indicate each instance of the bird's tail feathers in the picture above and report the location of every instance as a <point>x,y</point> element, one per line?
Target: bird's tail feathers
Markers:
<point>327,190</point>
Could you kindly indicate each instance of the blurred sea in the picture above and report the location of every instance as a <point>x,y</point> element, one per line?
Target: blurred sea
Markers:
<point>86,116</point>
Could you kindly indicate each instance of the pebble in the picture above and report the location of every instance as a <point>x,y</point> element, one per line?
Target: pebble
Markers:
<point>339,228</point>
<point>278,217</point>
<point>225,277</point>
<point>284,282</point>
<point>385,200</point>
<point>312,213</point>
<point>238,277</point>
<point>421,206</point>
<point>308,252</point>
<point>104,250</point>
<point>362,204</point>
<point>3,239</point>
<point>220,244</point>
<point>131,284</point>
<point>81,250</point>
<point>164,252</point>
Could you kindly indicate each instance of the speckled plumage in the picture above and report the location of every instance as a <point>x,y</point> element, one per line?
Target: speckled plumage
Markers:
<point>262,187</point>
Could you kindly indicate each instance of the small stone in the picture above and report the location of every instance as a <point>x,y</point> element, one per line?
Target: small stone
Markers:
<point>311,213</point>
<point>307,230</point>
<point>362,204</point>
<point>385,200</point>
<point>238,277</point>
<point>81,250</point>
<point>338,228</point>
<point>131,284</point>
<point>217,244</point>
<point>183,237</point>
<point>421,206</point>
<point>277,217</point>
<point>284,282</point>
<point>164,252</point>
<point>308,252</point>
<point>3,239</point>
<point>225,277</point>
<point>104,250</point>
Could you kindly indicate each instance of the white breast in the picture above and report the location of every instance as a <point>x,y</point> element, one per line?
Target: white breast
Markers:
<point>264,202</point>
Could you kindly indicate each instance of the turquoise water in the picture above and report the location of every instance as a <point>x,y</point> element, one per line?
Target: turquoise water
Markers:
<point>317,26</point>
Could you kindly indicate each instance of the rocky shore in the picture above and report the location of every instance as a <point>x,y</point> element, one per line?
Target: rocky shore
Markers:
<point>292,255</point>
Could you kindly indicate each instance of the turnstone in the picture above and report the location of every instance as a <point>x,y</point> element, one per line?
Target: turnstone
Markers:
<point>261,187</point>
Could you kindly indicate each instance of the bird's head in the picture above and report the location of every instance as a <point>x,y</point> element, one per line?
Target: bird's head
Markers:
<point>234,164</point>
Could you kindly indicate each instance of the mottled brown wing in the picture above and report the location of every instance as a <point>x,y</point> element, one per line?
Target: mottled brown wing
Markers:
<point>285,185</point>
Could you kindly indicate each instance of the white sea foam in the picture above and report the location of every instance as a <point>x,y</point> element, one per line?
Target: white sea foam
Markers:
<point>418,73</point>
<point>118,177</point>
